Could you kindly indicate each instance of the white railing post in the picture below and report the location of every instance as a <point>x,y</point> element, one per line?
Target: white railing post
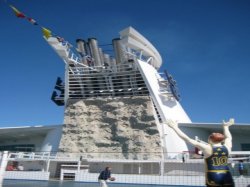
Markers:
<point>3,165</point>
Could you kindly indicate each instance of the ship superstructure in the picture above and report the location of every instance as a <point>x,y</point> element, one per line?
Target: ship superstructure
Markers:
<point>133,71</point>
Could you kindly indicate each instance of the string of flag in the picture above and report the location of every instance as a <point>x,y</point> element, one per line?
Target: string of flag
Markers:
<point>46,32</point>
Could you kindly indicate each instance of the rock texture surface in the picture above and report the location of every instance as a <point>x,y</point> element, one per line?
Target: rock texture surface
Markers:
<point>111,128</point>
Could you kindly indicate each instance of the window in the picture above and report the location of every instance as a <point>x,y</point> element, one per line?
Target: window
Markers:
<point>19,147</point>
<point>245,147</point>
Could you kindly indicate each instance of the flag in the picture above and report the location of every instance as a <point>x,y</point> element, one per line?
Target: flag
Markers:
<point>46,32</point>
<point>32,21</point>
<point>17,12</point>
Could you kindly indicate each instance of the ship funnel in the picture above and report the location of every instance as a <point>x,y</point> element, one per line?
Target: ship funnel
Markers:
<point>106,60</point>
<point>112,61</point>
<point>93,44</point>
<point>118,50</point>
<point>101,55</point>
<point>87,48</point>
<point>113,64</point>
<point>80,47</point>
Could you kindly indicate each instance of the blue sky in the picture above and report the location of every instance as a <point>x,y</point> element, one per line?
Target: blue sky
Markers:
<point>205,45</point>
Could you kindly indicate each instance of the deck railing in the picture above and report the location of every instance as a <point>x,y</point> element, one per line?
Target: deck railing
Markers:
<point>85,167</point>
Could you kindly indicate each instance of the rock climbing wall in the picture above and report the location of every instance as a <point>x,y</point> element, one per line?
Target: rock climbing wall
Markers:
<point>111,128</point>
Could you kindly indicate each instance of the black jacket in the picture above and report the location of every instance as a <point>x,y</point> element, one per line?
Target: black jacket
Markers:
<point>104,175</point>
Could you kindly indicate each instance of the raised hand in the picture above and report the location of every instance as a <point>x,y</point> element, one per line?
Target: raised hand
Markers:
<point>171,123</point>
<point>229,123</point>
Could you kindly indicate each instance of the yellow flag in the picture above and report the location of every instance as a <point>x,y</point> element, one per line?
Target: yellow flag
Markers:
<point>46,32</point>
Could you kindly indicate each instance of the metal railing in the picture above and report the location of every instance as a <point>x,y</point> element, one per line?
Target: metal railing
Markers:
<point>85,167</point>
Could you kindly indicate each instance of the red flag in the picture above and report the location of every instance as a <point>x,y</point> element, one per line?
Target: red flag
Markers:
<point>17,12</point>
<point>32,21</point>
